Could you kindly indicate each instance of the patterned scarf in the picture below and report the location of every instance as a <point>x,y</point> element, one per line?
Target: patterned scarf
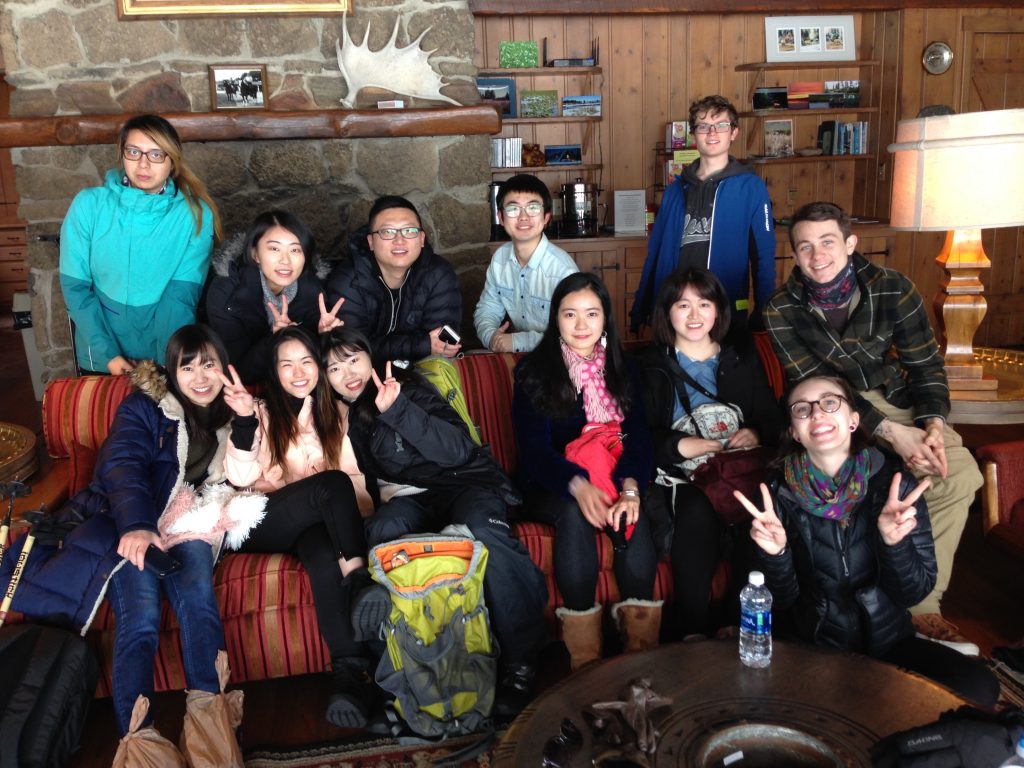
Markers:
<point>824,496</point>
<point>289,292</point>
<point>587,375</point>
<point>836,292</point>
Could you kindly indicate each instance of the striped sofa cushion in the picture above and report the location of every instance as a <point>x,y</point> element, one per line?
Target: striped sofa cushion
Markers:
<point>80,410</point>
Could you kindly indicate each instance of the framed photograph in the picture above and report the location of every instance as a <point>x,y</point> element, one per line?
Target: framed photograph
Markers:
<point>581,106</point>
<point>809,38</point>
<point>538,104</point>
<point>563,154</point>
<point>163,9</point>
<point>499,92</point>
<point>238,86</point>
<point>778,138</point>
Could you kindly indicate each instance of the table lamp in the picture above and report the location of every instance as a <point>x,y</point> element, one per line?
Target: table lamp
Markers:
<point>960,174</point>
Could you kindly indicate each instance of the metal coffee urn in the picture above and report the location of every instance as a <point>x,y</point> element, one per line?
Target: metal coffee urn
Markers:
<point>497,231</point>
<point>579,209</point>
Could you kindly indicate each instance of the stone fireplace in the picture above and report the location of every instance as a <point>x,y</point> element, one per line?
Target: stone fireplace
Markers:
<point>74,57</point>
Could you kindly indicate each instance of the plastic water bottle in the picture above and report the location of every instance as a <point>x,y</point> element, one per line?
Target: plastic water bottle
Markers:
<point>1018,757</point>
<point>756,622</point>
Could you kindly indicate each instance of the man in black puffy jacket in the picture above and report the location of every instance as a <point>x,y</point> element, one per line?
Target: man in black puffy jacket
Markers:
<point>396,289</point>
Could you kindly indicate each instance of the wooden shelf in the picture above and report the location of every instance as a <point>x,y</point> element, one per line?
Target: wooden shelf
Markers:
<point>552,120</point>
<point>541,71</point>
<point>546,168</point>
<point>758,160</point>
<point>763,66</point>
<point>769,113</point>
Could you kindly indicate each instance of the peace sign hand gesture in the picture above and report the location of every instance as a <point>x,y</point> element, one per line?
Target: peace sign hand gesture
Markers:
<point>898,518</point>
<point>766,530</point>
<point>329,320</point>
<point>387,390</point>
<point>281,319</point>
<point>236,396</point>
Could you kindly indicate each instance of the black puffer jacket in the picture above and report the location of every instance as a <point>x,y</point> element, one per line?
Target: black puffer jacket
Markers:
<point>397,327</point>
<point>846,587</point>
<point>236,311</point>
<point>420,440</point>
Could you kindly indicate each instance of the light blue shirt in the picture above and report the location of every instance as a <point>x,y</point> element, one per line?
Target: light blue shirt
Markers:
<point>521,293</point>
<point>705,373</point>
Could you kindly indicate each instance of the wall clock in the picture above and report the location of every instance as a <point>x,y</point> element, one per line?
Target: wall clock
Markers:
<point>937,58</point>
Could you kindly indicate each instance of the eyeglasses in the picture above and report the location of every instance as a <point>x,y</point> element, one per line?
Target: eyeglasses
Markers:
<point>723,127</point>
<point>390,233</point>
<point>802,409</point>
<point>156,156</point>
<point>514,211</point>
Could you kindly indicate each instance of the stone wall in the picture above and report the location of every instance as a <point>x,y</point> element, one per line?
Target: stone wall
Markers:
<point>76,57</point>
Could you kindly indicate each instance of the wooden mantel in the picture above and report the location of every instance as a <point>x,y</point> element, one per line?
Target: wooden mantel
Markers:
<point>74,130</point>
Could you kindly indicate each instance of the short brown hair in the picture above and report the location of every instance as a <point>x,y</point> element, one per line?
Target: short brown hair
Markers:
<point>706,285</point>
<point>710,105</point>
<point>820,211</point>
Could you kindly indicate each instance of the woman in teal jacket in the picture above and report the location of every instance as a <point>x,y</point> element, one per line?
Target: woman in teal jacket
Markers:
<point>135,251</point>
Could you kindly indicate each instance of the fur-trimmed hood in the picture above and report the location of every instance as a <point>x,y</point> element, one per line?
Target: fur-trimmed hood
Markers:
<point>232,252</point>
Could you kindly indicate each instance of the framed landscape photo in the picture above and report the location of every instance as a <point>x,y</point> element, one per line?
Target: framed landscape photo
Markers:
<point>500,93</point>
<point>809,38</point>
<point>238,86</point>
<point>778,138</point>
<point>538,104</point>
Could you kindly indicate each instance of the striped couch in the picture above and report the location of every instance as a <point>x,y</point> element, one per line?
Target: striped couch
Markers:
<point>266,602</point>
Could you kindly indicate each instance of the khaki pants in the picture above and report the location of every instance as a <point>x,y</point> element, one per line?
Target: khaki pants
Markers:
<point>948,500</point>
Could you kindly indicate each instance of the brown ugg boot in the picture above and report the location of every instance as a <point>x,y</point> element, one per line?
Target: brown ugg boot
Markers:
<point>639,623</point>
<point>581,633</point>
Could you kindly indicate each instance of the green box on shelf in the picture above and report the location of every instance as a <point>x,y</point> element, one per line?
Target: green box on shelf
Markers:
<point>518,54</point>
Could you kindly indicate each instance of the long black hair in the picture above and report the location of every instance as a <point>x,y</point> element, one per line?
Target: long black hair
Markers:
<point>268,219</point>
<point>283,427</point>
<point>187,344</point>
<point>543,375</point>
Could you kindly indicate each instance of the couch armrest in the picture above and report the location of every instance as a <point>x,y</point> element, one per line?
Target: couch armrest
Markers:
<point>1002,466</point>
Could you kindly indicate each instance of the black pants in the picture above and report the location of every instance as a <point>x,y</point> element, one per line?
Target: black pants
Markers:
<point>514,587</point>
<point>966,676</point>
<point>318,520</point>
<point>695,555</point>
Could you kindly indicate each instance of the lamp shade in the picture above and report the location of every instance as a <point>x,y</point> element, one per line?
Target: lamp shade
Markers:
<point>959,171</point>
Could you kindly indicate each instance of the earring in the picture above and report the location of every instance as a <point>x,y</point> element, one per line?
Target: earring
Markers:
<point>124,180</point>
<point>853,427</point>
<point>604,339</point>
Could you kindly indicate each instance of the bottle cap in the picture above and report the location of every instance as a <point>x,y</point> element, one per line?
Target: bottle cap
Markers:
<point>756,578</point>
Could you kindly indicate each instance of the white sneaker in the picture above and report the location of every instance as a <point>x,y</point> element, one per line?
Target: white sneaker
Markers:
<point>967,648</point>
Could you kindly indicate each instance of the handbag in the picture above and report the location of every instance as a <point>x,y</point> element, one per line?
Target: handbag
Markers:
<point>719,474</point>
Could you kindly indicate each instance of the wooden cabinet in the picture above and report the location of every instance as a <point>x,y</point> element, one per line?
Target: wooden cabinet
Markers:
<point>13,268</point>
<point>550,131</point>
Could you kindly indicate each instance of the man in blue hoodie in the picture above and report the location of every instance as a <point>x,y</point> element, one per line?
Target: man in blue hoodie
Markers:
<point>715,215</point>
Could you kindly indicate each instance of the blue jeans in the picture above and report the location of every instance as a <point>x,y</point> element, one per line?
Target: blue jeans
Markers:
<point>135,597</point>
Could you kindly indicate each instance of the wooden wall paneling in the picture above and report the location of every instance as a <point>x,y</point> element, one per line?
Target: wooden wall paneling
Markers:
<point>886,94</point>
<point>630,153</point>
<point>660,60</point>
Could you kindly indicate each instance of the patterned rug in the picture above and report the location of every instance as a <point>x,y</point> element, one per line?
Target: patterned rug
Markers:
<point>372,753</point>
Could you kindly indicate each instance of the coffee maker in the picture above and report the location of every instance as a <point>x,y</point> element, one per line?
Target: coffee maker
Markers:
<point>579,209</point>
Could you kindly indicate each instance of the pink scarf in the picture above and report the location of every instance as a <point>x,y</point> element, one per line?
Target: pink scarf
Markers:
<point>587,375</point>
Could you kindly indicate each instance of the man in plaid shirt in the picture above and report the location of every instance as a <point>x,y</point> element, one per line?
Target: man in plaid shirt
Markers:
<point>840,315</point>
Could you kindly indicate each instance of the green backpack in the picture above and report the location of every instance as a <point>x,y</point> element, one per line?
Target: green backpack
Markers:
<point>442,373</point>
<point>441,661</point>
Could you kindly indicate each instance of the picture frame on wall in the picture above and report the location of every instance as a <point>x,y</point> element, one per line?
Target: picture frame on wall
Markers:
<point>500,93</point>
<point>238,86</point>
<point>778,138</point>
<point>809,38</point>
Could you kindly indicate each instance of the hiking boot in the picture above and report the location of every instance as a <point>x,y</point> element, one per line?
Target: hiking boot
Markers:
<point>371,604</point>
<point>515,690</point>
<point>931,626</point>
<point>355,693</point>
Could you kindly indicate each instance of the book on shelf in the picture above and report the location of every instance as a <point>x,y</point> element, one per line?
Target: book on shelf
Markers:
<point>677,135</point>
<point>798,93</point>
<point>843,93</point>
<point>518,54</point>
<point>538,103</point>
<point>581,106</point>
<point>507,152</point>
<point>837,138</point>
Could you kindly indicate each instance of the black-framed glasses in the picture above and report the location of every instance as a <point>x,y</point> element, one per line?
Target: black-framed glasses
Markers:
<point>156,156</point>
<point>560,749</point>
<point>723,126</point>
<point>830,403</point>
<point>390,233</point>
<point>514,210</point>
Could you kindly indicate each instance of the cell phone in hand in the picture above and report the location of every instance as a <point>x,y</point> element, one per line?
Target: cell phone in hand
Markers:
<point>449,336</point>
<point>160,563</point>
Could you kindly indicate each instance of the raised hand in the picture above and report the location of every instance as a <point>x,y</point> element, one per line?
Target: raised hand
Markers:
<point>387,390</point>
<point>329,320</point>
<point>899,517</point>
<point>236,396</point>
<point>281,319</point>
<point>766,530</point>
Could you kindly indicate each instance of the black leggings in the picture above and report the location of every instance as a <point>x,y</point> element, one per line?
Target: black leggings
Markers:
<point>964,675</point>
<point>695,555</point>
<point>318,520</point>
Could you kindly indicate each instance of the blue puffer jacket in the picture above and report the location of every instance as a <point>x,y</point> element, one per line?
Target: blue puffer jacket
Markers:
<point>139,470</point>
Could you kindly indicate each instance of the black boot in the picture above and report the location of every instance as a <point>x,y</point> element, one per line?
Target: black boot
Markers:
<point>355,693</point>
<point>515,690</point>
<point>371,604</point>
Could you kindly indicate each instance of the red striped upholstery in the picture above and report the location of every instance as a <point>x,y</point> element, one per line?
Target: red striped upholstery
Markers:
<point>80,410</point>
<point>487,385</point>
<point>772,366</point>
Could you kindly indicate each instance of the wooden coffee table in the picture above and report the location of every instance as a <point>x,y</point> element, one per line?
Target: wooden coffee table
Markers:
<point>840,701</point>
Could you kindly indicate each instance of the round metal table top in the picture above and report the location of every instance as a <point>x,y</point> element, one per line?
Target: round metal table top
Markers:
<point>18,457</point>
<point>842,701</point>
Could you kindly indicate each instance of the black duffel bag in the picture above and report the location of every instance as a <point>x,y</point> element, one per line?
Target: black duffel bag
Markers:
<point>960,738</point>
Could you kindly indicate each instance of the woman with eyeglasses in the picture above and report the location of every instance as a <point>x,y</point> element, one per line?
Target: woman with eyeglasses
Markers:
<point>523,273</point>
<point>134,252</point>
<point>397,291</point>
<point>264,280</point>
<point>846,545</point>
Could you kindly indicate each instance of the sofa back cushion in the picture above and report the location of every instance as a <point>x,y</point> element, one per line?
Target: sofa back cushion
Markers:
<point>80,411</point>
<point>487,385</point>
